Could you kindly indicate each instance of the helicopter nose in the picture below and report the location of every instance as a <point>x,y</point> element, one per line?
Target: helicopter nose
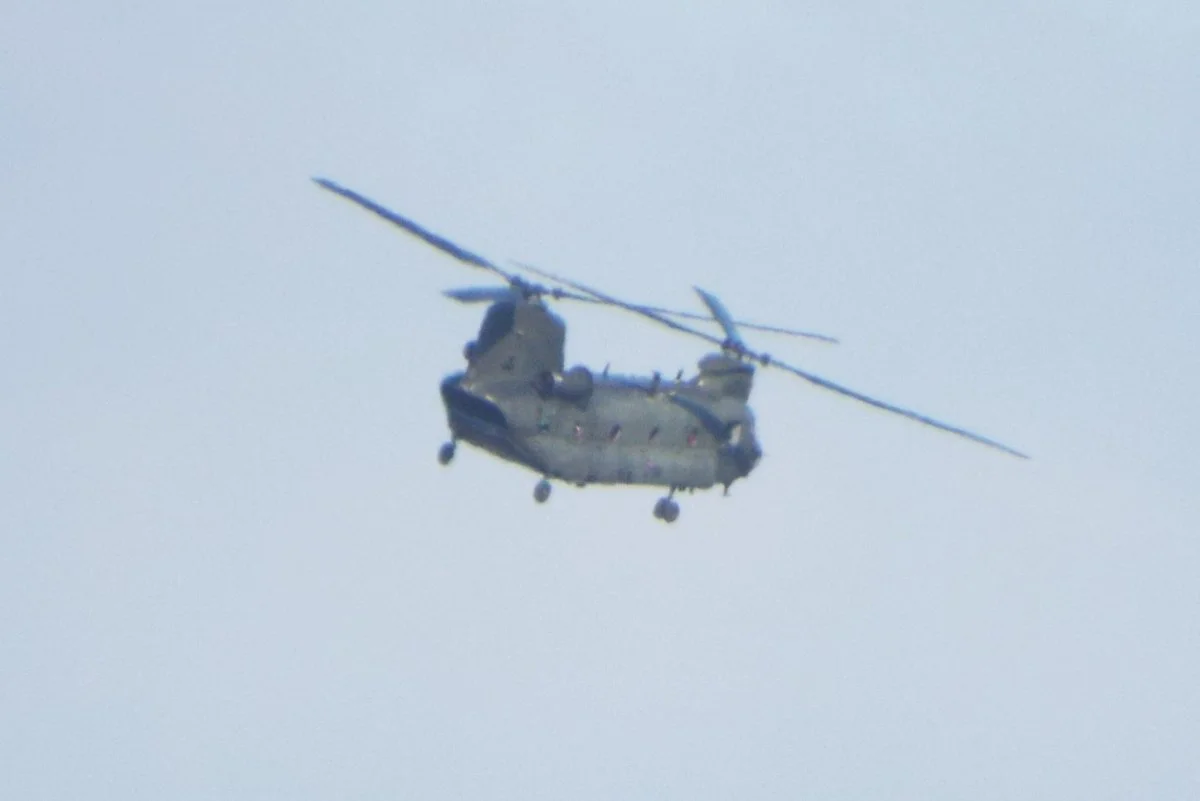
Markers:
<point>754,453</point>
<point>746,454</point>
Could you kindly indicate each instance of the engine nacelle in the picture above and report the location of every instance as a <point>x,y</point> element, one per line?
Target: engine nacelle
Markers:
<point>726,377</point>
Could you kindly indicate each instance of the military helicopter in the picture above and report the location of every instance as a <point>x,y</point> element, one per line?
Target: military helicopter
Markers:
<point>517,400</point>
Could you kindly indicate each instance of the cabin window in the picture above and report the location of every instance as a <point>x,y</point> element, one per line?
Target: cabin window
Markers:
<point>653,433</point>
<point>735,433</point>
<point>614,433</point>
<point>578,431</point>
<point>693,436</point>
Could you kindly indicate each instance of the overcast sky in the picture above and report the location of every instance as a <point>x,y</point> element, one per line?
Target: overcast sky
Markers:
<point>230,566</point>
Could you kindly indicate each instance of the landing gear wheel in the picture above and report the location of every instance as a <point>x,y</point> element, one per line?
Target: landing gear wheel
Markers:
<point>542,491</point>
<point>666,510</point>
<point>670,511</point>
<point>446,454</point>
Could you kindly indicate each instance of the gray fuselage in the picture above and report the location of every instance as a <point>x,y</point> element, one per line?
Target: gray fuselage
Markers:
<point>620,431</point>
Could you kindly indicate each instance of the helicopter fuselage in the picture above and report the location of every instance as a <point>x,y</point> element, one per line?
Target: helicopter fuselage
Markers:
<point>587,429</point>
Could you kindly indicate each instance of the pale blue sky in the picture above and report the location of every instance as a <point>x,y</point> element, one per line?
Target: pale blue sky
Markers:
<point>232,567</point>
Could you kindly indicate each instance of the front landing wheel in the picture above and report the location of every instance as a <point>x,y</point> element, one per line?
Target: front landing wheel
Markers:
<point>541,492</point>
<point>446,454</point>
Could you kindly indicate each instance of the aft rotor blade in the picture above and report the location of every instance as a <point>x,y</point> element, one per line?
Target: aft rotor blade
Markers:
<point>427,236</point>
<point>887,407</point>
<point>722,316</point>
<point>683,315</point>
<point>770,329</point>
<point>807,376</point>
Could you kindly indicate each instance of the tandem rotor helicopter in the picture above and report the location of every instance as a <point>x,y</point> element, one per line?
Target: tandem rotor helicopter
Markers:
<point>518,401</point>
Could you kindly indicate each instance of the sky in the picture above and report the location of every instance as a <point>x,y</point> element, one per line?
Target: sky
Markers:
<point>231,567</point>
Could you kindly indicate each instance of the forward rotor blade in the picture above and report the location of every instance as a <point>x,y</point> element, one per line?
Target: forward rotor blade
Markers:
<point>770,329</point>
<point>887,407</point>
<point>427,236</point>
<point>491,294</point>
<point>722,316</point>
<point>683,315</point>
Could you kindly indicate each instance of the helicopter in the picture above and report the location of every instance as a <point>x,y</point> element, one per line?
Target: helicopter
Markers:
<point>518,401</point>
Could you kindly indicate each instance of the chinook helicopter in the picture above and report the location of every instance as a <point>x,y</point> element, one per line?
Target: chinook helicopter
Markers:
<point>517,400</point>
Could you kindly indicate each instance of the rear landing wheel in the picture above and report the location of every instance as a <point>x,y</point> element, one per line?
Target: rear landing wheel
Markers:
<point>542,491</point>
<point>446,453</point>
<point>666,510</point>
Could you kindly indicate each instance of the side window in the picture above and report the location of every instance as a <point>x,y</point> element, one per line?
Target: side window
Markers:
<point>735,433</point>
